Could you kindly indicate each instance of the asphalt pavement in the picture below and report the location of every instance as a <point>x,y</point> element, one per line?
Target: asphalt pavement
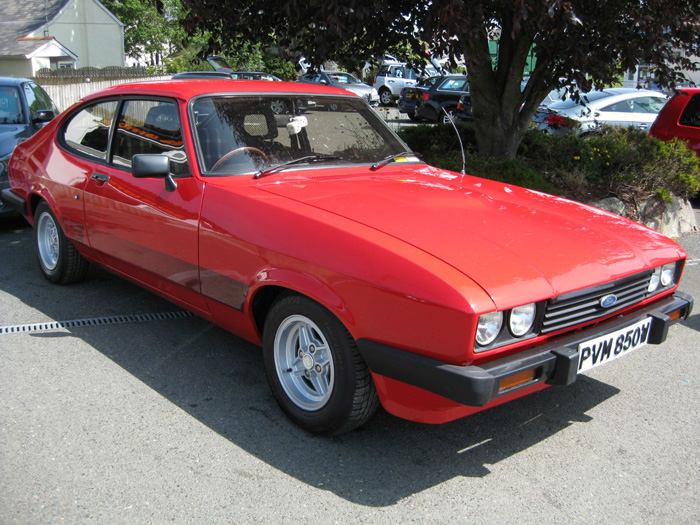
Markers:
<point>135,413</point>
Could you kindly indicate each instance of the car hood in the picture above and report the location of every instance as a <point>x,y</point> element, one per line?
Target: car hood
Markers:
<point>518,245</point>
<point>9,137</point>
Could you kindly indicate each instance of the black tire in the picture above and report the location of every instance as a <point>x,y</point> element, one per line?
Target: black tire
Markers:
<point>385,97</point>
<point>59,260</point>
<point>314,369</point>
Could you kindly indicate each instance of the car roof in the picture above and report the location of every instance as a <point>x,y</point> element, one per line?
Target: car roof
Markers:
<point>12,81</point>
<point>186,89</point>
<point>627,91</point>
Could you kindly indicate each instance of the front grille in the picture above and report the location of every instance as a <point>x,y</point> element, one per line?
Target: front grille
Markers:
<point>584,305</point>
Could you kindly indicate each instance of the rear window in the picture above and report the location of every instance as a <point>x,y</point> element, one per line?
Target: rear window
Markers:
<point>691,113</point>
<point>455,84</point>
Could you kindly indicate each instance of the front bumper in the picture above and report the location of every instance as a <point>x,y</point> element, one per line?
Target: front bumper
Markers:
<point>553,363</point>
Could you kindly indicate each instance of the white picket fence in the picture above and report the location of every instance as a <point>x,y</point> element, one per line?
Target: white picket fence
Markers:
<point>65,95</point>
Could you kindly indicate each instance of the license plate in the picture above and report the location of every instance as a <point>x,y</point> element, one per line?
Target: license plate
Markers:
<point>410,95</point>
<point>604,349</point>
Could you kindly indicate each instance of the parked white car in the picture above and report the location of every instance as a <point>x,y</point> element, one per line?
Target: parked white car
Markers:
<point>613,106</point>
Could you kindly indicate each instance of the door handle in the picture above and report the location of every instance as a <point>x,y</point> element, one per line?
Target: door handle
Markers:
<point>99,177</point>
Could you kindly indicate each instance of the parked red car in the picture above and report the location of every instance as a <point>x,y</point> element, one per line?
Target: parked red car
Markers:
<point>365,274</point>
<point>680,118</point>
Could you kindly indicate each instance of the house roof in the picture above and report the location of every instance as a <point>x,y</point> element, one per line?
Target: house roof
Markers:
<point>22,17</point>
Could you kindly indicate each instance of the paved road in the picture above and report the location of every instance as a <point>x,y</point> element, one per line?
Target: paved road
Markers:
<point>154,421</point>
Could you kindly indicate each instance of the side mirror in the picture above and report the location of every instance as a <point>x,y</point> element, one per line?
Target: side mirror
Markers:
<point>43,116</point>
<point>153,166</point>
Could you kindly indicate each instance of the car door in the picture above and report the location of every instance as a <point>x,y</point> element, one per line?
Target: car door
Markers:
<point>139,226</point>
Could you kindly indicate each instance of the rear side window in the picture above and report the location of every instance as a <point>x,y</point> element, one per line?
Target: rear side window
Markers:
<point>691,113</point>
<point>87,132</point>
<point>455,84</point>
<point>619,107</point>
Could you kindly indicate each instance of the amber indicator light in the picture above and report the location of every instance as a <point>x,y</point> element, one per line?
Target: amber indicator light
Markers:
<point>517,380</point>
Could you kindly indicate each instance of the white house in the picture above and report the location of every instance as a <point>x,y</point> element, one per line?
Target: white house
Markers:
<point>35,34</point>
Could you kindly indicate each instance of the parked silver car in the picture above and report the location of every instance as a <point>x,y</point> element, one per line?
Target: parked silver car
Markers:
<point>343,80</point>
<point>613,106</point>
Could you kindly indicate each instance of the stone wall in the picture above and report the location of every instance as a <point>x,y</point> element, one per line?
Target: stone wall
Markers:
<point>673,219</point>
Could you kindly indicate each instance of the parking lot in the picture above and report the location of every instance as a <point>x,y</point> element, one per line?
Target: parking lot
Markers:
<point>135,412</point>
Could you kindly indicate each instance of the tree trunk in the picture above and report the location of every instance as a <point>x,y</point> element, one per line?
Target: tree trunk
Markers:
<point>496,138</point>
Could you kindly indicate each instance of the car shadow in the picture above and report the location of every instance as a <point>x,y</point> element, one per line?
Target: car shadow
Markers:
<point>218,379</point>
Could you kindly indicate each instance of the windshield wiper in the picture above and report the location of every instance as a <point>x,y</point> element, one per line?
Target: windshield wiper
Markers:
<point>318,157</point>
<point>392,158</point>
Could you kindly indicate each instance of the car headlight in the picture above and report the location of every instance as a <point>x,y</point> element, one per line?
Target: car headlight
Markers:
<point>668,272</point>
<point>663,277</point>
<point>488,328</point>
<point>654,280</point>
<point>521,319</point>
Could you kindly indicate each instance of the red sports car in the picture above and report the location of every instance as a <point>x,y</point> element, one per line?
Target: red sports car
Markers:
<point>366,275</point>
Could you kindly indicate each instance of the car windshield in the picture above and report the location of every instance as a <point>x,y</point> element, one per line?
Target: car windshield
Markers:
<point>10,106</point>
<point>239,135</point>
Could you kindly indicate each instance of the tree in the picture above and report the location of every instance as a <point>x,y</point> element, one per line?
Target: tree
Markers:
<point>152,28</point>
<point>578,44</point>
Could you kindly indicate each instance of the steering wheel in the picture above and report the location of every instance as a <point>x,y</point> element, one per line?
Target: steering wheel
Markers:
<point>238,150</point>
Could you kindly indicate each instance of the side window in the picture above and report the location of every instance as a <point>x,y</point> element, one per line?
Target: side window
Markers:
<point>37,99</point>
<point>150,126</point>
<point>87,132</point>
<point>647,104</point>
<point>11,111</point>
<point>619,107</point>
<point>691,113</point>
<point>383,71</point>
<point>397,72</point>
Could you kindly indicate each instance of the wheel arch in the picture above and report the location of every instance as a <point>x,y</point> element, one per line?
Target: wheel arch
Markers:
<point>280,283</point>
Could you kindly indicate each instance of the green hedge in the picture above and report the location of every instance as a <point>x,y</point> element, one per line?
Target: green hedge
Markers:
<point>623,163</point>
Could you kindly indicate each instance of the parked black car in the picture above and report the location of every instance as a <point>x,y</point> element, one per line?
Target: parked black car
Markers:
<point>24,109</point>
<point>464,108</point>
<point>443,97</point>
<point>409,96</point>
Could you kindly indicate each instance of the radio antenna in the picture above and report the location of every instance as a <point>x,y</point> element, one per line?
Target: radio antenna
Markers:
<point>461,146</point>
